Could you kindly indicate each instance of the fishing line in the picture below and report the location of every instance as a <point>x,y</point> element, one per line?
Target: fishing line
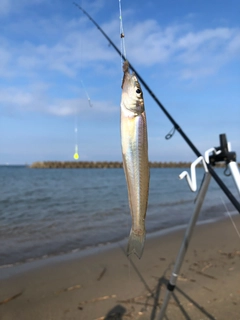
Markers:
<point>87,95</point>
<point>76,155</point>
<point>233,223</point>
<point>176,126</point>
<point>80,71</point>
<point>122,34</point>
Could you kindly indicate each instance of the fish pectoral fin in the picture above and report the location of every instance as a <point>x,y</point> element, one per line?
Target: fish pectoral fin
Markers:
<point>136,242</point>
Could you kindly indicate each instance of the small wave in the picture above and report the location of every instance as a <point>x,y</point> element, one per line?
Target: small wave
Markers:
<point>172,203</point>
<point>85,250</point>
<point>88,249</point>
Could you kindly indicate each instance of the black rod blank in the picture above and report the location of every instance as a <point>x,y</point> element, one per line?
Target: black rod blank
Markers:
<point>176,126</point>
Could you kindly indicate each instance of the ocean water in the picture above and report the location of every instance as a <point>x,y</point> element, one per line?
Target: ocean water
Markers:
<point>46,212</point>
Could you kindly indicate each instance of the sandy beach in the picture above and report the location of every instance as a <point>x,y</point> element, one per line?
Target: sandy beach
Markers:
<point>108,285</point>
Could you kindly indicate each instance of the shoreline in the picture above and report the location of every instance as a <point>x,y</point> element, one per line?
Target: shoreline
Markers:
<point>105,246</point>
<point>97,285</point>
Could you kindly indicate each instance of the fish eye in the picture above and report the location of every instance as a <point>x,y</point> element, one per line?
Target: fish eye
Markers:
<point>138,91</point>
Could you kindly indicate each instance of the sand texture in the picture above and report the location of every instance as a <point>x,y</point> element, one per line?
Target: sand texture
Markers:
<point>108,285</point>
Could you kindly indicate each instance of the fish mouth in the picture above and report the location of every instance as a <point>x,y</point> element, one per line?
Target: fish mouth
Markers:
<point>130,77</point>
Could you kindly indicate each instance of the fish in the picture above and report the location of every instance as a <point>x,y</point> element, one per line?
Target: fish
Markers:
<point>134,144</point>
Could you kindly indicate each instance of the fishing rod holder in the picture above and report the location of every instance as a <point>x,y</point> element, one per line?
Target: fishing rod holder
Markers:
<point>212,156</point>
<point>225,154</point>
<point>192,181</point>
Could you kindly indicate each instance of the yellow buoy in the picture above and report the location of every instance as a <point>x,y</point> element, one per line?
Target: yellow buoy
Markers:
<point>76,156</point>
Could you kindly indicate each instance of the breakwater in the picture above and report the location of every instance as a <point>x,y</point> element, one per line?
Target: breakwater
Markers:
<point>103,164</point>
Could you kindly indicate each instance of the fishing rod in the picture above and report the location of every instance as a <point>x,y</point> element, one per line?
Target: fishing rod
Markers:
<point>176,126</point>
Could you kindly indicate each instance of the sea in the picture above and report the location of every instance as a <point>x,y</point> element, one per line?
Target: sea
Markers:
<point>50,212</point>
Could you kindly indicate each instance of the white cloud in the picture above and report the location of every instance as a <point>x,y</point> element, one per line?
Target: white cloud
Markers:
<point>194,54</point>
<point>8,6</point>
<point>66,54</point>
<point>78,45</point>
<point>234,45</point>
<point>203,53</point>
<point>194,73</point>
<point>15,97</point>
<point>149,44</point>
<point>210,37</point>
<point>93,6</point>
<point>5,58</point>
<point>195,46</point>
<point>67,107</point>
<point>35,98</point>
<point>30,98</point>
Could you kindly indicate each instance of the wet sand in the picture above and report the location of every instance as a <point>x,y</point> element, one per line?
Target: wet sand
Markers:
<point>107,285</point>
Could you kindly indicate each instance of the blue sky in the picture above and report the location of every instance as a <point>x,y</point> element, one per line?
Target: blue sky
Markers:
<point>188,52</point>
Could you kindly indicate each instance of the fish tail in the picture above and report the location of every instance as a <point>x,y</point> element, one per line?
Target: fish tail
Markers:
<point>136,242</point>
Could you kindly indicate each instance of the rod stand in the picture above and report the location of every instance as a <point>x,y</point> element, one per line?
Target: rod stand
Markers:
<point>183,249</point>
<point>224,154</point>
<point>219,154</point>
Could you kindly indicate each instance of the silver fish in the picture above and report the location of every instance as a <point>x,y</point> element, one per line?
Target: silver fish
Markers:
<point>135,157</point>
